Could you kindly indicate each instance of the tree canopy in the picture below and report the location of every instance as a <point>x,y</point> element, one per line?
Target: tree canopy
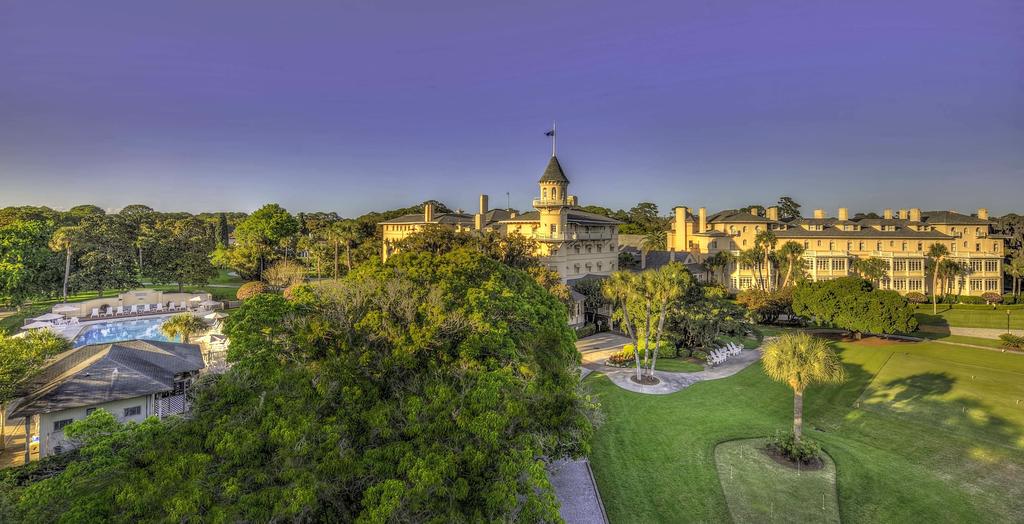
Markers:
<point>851,303</point>
<point>429,389</point>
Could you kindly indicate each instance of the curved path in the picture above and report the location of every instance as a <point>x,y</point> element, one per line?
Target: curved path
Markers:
<point>598,348</point>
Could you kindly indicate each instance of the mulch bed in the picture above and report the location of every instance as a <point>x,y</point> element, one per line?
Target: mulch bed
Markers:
<point>783,460</point>
<point>645,380</point>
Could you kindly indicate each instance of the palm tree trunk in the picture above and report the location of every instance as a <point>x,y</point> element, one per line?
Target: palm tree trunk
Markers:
<point>67,271</point>
<point>335,260</point>
<point>798,414</point>
<point>657,339</point>
<point>348,255</point>
<point>647,332</point>
<point>789,271</point>
<point>3,426</point>
<point>935,289</point>
<point>632,335</point>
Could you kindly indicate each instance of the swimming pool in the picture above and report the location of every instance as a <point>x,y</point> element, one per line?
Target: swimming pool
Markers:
<point>106,332</point>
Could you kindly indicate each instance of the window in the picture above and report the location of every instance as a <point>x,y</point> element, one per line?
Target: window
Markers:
<point>904,246</point>
<point>600,247</point>
<point>914,285</point>
<point>133,411</point>
<point>577,250</point>
<point>822,264</point>
<point>58,425</point>
<point>899,265</point>
<point>819,243</point>
<point>544,193</point>
<point>838,264</point>
<point>991,285</point>
<point>849,246</point>
<point>915,265</point>
<point>860,246</point>
<point>892,243</point>
<point>712,245</point>
<point>920,246</point>
<point>977,246</point>
<point>831,245</point>
<point>878,246</point>
<point>554,229</point>
<point>744,241</point>
<point>899,284</point>
<point>590,249</point>
<point>746,282</point>
<point>995,247</point>
<point>975,266</point>
<point>991,266</point>
<point>975,284</point>
<point>965,244</point>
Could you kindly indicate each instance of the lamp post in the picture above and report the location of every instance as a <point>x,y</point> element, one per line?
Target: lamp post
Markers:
<point>1007,320</point>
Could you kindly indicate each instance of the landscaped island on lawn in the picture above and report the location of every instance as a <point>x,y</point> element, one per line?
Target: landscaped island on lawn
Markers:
<point>919,432</point>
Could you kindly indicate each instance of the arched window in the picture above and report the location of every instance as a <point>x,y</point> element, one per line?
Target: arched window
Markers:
<point>554,193</point>
<point>544,193</point>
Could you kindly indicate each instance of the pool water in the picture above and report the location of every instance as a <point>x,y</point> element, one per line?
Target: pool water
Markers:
<point>106,332</point>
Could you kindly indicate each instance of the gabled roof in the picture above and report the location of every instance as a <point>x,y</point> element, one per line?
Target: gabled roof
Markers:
<point>585,217</point>
<point>735,215</point>
<point>100,373</point>
<point>464,219</point>
<point>554,173</point>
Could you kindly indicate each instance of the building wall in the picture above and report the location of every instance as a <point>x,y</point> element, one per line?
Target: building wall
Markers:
<point>50,438</point>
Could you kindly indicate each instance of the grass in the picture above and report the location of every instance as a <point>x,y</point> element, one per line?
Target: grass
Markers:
<point>677,365</point>
<point>961,339</point>
<point>975,316</point>
<point>954,453</point>
<point>758,489</point>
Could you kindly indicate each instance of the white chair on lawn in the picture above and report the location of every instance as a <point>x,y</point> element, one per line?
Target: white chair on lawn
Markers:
<point>135,309</point>
<point>119,311</point>
<point>184,306</point>
<point>160,307</point>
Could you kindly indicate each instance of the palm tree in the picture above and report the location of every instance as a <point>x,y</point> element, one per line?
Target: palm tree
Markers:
<point>791,254</point>
<point>666,285</point>
<point>765,240</point>
<point>801,360</point>
<point>652,241</point>
<point>63,240</point>
<point>936,252</point>
<point>618,289</point>
<point>184,324</point>
<point>1015,269</point>
<point>872,269</point>
<point>751,258</point>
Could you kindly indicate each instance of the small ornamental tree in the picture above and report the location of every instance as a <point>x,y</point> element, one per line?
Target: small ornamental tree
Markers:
<point>250,289</point>
<point>800,360</point>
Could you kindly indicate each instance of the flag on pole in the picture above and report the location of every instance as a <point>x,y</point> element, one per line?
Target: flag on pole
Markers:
<point>550,133</point>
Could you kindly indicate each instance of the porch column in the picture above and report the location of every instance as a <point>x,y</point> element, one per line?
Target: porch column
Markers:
<point>28,438</point>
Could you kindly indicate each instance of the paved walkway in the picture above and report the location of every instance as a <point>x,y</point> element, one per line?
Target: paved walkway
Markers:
<point>577,492</point>
<point>968,331</point>
<point>672,382</point>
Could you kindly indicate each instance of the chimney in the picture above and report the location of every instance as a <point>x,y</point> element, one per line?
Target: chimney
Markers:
<point>819,213</point>
<point>702,213</point>
<point>512,214</point>
<point>483,204</point>
<point>573,201</point>
<point>428,212</point>
<point>903,214</point>
<point>983,213</point>
<point>679,242</point>
<point>887,214</point>
<point>915,214</point>
<point>844,213</point>
<point>773,213</point>
<point>478,221</point>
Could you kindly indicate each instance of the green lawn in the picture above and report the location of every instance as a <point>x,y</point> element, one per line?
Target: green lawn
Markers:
<point>677,365</point>
<point>758,489</point>
<point>971,316</point>
<point>929,442</point>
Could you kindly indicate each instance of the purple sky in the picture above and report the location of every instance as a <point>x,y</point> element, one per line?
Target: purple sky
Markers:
<point>360,105</point>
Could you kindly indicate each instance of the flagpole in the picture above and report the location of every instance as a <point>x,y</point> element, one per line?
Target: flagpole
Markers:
<point>554,137</point>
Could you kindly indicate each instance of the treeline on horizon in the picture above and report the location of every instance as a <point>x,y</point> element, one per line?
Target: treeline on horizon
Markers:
<point>45,253</point>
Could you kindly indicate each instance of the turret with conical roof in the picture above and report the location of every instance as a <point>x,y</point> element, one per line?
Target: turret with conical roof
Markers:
<point>554,185</point>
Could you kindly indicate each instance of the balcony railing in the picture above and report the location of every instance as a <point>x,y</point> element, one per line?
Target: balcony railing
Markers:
<point>545,202</point>
<point>574,235</point>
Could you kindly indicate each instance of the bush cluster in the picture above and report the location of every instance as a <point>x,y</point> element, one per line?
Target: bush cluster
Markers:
<point>916,298</point>
<point>250,289</point>
<point>991,298</point>
<point>699,355</point>
<point>1012,342</point>
<point>1009,299</point>
<point>804,451</point>
<point>969,299</point>
<point>622,358</point>
<point>586,330</point>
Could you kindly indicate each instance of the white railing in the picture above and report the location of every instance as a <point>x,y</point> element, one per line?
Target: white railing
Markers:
<point>544,202</point>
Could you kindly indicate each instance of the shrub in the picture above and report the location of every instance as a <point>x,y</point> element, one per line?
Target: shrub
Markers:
<point>991,298</point>
<point>969,299</point>
<point>685,353</point>
<point>1009,299</point>
<point>804,451</point>
<point>585,330</point>
<point>621,359</point>
<point>1012,342</point>
<point>250,289</point>
<point>699,355</point>
<point>916,298</point>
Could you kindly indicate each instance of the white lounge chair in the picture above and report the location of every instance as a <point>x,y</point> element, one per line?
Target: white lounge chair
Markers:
<point>184,306</point>
<point>171,306</point>
<point>134,310</point>
<point>73,321</point>
<point>95,313</point>
<point>160,306</point>
<point>119,311</point>
<point>145,308</point>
